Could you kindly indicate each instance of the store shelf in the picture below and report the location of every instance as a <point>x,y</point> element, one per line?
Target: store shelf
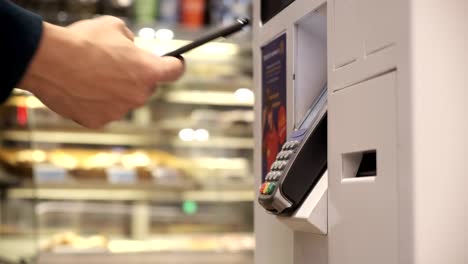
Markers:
<point>218,142</point>
<point>72,137</point>
<point>130,194</point>
<point>208,257</point>
<point>144,219</point>
<point>218,98</point>
<point>120,139</point>
<point>17,249</point>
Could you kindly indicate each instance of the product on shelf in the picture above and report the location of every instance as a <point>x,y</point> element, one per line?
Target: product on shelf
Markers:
<point>119,8</point>
<point>8,230</point>
<point>193,12</point>
<point>63,159</point>
<point>227,11</point>
<point>86,164</point>
<point>169,11</point>
<point>190,13</point>
<point>71,240</point>
<point>145,11</point>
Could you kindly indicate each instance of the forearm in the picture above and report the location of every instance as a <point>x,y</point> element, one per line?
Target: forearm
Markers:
<point>92,72</point>
<point>20,35</point>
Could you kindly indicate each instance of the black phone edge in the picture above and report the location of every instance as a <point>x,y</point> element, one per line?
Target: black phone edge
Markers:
<point>224,32</point>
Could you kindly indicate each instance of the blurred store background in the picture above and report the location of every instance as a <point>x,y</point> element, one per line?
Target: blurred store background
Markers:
<point>171,183</point>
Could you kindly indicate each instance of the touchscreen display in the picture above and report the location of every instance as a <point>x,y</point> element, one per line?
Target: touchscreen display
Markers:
<point>272,7</point>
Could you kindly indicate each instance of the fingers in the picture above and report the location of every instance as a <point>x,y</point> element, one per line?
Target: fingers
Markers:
<point>117,23</point>
<point>168,69</point>
<point>128,33</point>
<point>120,24</point>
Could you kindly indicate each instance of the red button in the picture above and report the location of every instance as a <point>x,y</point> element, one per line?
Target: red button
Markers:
<point>265,187</point>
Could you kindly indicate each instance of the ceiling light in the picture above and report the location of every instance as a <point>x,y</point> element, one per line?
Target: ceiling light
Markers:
<point>186,134</point>
<point>244,95</point>
<point>164,34</point>
<point>201,135</point>
<point>147,33</point>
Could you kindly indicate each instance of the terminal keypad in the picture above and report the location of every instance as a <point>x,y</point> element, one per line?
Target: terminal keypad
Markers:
<point>271,180</point>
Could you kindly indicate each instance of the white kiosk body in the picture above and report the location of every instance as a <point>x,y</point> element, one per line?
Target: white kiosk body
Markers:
<point>397,80</point>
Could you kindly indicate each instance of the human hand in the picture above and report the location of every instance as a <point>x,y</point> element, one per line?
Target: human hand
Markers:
<point>92,73</point>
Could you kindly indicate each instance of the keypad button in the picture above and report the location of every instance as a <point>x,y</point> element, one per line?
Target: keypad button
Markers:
<point>275,176</point>
<point>271,187</point>
<point>278,156</point>
<point>294,144</point>
<point>273,166</point>
<point>270,176</point>
<point>281,165</point>
<point>264,187</point>
<point>287,154</point>
<point>286,145</point>
<point>267,188</point>
<point>281,155</point>
<point>277,165</point>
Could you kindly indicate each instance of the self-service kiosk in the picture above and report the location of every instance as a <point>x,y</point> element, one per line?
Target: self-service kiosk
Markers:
<point>361,151</point>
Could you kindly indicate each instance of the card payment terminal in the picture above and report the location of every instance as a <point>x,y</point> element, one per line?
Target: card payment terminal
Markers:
<point>300,163</point>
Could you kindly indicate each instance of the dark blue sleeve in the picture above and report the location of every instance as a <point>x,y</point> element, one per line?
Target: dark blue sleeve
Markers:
<point>20,34</point>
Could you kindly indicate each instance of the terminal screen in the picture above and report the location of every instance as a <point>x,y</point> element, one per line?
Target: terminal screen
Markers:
<point>272,7</point>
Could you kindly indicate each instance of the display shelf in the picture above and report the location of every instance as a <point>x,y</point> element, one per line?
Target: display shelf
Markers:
<point>218,98</point>
<point>129,194</point>
<point>224,125</point>
<point>15,250</point>
<point>81,137</point>
<point>208,257</point>
<point>215,173</point>
<point>200,242</point>
<point>223,82</point>
<point>216,142</point>
<point>129,251</point>
<point>120,139</point>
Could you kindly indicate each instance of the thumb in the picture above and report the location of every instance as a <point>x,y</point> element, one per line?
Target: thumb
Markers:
<point>168,69</point>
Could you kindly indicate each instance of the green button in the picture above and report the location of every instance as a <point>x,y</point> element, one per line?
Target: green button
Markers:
<point>271,187</point>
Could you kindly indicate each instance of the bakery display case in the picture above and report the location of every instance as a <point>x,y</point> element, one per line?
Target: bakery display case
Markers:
<point>170,183</point>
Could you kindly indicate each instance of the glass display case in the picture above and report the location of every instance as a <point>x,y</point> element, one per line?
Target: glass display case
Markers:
<point>170,183</point>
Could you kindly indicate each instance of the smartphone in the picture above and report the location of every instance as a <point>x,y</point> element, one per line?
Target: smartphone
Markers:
<point>223,32</point>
